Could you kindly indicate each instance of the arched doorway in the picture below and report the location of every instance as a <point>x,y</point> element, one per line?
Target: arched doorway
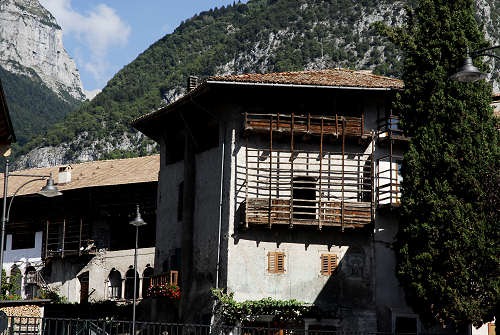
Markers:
<point>31,288</point>
<point>84,287</point>
<point>146,280</point>
<point>129,283</point>
<point>114,284</point>
<point>16,280</point>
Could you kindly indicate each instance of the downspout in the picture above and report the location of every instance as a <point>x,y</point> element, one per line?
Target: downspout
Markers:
<point>220,206</point>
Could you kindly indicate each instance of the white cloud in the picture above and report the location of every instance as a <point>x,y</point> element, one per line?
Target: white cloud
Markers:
<point>99,29</point>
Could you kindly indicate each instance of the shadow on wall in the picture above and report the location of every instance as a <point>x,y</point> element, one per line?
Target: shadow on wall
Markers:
<point>349,286</point>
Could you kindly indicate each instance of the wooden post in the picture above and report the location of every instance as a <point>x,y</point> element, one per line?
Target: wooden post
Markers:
<point>278,121</point>
<point>362,123</point>
<point>343,163</point>
<point>80,239</point>
<point>308,123</point>
<point>320,170</point>
<point>291,170</point>
<point>372,176</point>
<point>64,237</point>
<point>337,125</point>
<point>390,172</point>
<point>47,240</point>
<point>270,167</point>
<point>246,183</point>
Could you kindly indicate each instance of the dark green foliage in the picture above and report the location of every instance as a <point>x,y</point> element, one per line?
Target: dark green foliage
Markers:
<point>9,285</point>
<point>448,255</point>
<point>33,107</point>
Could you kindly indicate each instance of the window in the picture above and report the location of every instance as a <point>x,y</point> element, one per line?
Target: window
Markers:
<point>276,262</point>
<point>23,240</point>
<point>328,264</point>
<point>304,198</point>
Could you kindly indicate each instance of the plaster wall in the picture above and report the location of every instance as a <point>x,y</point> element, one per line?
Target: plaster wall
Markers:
<point>168,227</point>
<point>64,274</point>
<point>22,257</point>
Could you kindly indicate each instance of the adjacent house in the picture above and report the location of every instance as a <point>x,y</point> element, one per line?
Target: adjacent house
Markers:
<point>284,185</point>
<point>80,244</point>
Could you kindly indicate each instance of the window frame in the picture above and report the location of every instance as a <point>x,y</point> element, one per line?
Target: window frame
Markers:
<point>330,266</point>
<point>274,260</point>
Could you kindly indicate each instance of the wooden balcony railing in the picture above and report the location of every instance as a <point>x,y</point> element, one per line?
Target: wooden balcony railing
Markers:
<point>308,213</point>
<point>319,125</point>
<point>171,278</point>
<point>389,128</point>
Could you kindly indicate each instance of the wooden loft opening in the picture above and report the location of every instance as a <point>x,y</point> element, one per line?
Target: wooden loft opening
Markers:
<point>306,187</point>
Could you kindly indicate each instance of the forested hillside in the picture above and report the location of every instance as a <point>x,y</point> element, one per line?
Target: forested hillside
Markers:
<point>33,107</point>
<point>260,36</point>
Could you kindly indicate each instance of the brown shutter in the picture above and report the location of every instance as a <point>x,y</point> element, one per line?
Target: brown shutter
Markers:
<point>328,264</point>
<point>276,262</point>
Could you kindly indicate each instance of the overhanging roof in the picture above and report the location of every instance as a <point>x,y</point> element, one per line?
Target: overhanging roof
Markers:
<point>91,174</point>
<point>330,78</point>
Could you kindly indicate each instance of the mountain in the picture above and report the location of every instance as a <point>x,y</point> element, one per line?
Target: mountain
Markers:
<point>31,44</point>
<point>260,36</point>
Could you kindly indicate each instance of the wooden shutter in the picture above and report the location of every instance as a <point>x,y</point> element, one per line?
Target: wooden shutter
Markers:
<point>328,264</point>
<point>276,262</point>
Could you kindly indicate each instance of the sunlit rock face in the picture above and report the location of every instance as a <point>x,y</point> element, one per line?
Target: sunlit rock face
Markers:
<point>31,44</point>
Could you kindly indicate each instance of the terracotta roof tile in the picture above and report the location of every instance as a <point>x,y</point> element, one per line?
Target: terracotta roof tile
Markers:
<point>329,77</point>
<point>91,174</point>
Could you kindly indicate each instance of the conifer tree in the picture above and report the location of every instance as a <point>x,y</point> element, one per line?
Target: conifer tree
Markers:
<point>447,247</point>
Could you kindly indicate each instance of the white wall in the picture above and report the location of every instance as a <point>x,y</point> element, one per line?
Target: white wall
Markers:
<point>22,257</point>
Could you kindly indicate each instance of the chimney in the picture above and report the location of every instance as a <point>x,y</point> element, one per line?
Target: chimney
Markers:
<point>64,175</point>
<point>192,83</point>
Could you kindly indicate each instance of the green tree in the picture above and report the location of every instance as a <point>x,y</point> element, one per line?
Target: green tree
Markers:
<point>447,248</point>
<point>10,285</point>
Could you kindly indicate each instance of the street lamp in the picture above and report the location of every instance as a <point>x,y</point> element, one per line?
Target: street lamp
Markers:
<point>49,190</point>
<point>468,72</point>
<point>137,222</point>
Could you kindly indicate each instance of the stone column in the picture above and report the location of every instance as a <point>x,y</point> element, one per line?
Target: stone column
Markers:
<point>123,289</point>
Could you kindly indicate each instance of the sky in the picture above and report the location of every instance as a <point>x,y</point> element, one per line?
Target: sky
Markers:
<point>103,36</point>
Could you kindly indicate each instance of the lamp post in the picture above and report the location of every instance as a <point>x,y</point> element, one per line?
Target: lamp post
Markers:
<point>468,72</point>
<point>137,222</point>
<point>49,190</point>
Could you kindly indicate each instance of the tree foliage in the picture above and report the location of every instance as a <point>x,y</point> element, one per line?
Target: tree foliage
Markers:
<point>448,255</point>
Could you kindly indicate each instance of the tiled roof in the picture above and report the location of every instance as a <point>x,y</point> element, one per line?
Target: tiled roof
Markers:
<point>329,77</point>
<point>91,174</point>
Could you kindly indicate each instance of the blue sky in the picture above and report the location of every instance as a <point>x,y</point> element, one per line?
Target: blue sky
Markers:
<point>103,36</point>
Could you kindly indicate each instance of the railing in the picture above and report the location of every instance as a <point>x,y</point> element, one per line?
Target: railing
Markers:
<point>171,278</point>
<point>389,180</point>
<point>336,125</point>
<point>65,326</point>
<point>67,237</point>
<point>390,128</point>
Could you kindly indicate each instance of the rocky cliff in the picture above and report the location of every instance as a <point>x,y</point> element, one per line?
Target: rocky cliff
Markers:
<point>31,44</point>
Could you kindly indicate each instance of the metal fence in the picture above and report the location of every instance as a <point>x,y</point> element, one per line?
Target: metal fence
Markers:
<point>63,326</point>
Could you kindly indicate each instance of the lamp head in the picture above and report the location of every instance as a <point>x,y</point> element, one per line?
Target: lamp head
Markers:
<point>138,221</point>
<point>49,190</point>
<point>468,72</point>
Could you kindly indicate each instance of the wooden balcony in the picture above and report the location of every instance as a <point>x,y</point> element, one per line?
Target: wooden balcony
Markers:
<point>389,129</point>
<point>317,125</point>
<point>170,278</point>
<point>68,237</point>
<point>307,213</point>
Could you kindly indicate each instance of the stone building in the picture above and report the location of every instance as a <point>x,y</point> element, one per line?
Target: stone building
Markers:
<point>284,185</point>
<point>80,244</point>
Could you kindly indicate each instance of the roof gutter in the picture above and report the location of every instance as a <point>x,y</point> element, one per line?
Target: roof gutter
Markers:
<point>301,86</point>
